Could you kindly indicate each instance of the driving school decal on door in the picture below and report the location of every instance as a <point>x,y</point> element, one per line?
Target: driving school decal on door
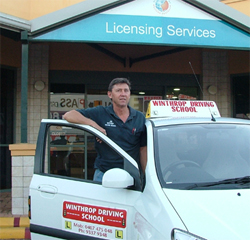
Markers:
<point>95,221</point>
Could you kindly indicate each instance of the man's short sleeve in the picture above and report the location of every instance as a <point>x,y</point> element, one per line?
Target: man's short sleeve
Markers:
<point>94,113</point>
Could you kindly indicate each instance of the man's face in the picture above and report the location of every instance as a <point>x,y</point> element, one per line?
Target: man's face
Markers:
<point>120,94</point>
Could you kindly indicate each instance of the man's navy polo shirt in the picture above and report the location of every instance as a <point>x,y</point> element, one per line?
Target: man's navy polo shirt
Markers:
<point>130,136</point>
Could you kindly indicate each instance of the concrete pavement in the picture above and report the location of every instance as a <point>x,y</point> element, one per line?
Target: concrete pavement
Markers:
<point>12,227</point>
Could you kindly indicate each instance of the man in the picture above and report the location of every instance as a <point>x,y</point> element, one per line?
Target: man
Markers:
<point>121,123</point>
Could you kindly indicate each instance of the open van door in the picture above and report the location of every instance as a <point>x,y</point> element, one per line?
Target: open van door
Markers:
<point>64,200</point>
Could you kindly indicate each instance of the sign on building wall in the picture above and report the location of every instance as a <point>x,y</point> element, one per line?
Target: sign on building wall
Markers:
<point>164,22</point>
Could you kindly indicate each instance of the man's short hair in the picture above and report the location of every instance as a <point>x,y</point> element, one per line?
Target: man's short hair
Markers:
<point>117,81</point>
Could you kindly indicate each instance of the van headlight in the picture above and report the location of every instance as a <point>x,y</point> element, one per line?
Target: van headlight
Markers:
<point>178,234</point>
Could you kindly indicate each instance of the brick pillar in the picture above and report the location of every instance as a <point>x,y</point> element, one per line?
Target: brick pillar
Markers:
<point>22,170</point>
<point>215,73</point>
<point>37,100</point>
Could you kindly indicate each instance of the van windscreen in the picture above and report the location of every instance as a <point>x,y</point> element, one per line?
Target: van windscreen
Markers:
<point>202,153</point>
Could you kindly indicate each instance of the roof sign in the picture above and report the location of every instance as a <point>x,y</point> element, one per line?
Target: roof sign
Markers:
<point>170,108</point>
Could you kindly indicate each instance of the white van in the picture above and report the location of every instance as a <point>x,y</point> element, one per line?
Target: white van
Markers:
<point>196,185</point>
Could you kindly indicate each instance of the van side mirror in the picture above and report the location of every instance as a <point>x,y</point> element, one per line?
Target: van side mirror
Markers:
<point>117,178</point>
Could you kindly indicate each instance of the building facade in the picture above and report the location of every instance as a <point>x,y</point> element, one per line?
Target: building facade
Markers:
<point>61,55</point>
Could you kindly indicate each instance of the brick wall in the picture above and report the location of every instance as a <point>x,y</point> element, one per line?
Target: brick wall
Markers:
<point>37,100</point>
<point>215,72</point>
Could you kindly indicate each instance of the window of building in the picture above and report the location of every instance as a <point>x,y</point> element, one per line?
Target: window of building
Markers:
<point>241,96</point>
<point>63,98</point>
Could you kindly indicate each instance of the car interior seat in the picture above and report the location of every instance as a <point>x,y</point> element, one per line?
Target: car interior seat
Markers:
<point>224,160</point>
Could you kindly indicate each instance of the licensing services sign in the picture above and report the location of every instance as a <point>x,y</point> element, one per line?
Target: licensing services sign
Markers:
<point>163,22</point>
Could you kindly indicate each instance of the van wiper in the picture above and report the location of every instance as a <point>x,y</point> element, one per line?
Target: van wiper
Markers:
<point>240,180</point>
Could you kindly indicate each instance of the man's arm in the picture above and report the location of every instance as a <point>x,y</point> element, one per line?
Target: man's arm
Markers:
<point>74,116</point>
<point>143,158</point>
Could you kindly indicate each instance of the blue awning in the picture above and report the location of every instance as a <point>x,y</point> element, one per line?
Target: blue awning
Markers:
<point>158,22</point>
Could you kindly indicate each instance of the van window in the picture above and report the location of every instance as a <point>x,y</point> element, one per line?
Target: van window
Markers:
<point>71,152</point>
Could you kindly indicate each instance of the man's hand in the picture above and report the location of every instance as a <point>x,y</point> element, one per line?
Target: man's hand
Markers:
<point>101,130</point>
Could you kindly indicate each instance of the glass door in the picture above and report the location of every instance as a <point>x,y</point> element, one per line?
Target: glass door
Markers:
<point>6,125</point>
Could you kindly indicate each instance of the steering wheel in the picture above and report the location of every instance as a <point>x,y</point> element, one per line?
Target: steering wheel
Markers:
<point>175,165</point>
